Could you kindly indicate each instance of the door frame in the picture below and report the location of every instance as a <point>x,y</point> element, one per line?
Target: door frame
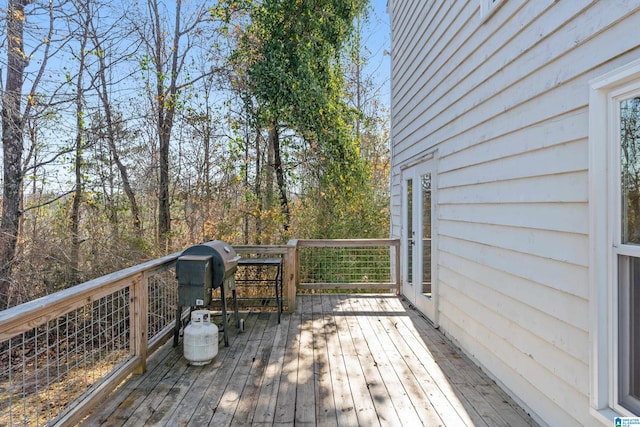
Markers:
<point>413,290</point>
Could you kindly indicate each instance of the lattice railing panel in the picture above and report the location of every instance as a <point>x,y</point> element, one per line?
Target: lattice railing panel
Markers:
<point>345,265</point>
<point>45,369</point>
<point>163,301</point>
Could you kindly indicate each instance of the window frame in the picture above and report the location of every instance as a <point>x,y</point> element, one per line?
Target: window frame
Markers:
<point>629,264</point>
<point>605,227</point>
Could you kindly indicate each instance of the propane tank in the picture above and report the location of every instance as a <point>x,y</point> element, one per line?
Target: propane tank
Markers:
<point>200,338</point>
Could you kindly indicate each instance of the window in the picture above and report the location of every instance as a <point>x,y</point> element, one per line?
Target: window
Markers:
<point>614,203</point>
<point>629,333</point>
<point>628,112</point>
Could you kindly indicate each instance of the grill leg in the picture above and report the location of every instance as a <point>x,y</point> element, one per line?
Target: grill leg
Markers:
<point>278,281</point>
<point>235,308</point>
<point>225,327</point>
<point>176,328</point>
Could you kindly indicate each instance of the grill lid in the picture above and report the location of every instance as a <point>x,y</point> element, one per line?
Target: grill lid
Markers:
<point>224,258</point>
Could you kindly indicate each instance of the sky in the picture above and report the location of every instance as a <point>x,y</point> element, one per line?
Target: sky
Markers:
<point>379,43</point>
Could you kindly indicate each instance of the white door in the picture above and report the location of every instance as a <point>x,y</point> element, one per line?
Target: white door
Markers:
<point>419,263</point>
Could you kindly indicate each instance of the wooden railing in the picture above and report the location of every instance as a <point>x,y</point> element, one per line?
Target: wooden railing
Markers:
<point>323,265</point>
<point>62,354</point>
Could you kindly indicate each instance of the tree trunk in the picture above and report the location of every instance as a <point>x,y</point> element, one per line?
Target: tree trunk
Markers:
<point>79,184</point>
<point>111,138</point>
<point>164,214</point>
<point>246,214</point>
<point>75,215</point>
<point>207,170</point>
<point>77,194</point>
<point>124,175</point>
<point>257,189</point>
<point>165,103</point>
<point>274,140</point>
<point>12,144</point>
<point>268,191</point>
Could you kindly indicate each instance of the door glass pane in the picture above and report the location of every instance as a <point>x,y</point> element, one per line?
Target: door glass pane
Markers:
<point>629,332</point>
<point>426,234</point>
<point>409,222</point>
<point>630,170</point>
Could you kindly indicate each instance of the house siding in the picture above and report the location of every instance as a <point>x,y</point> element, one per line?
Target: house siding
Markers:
<point>505,103</point>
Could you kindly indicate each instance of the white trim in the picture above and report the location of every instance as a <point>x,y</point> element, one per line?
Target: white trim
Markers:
<point>435,232</point>
<point>417,160</point>
<point>413,169</point>
<point>627,250</point>
<point>604,231</point>
<point>616,78</point>
<point>404,233</point>
<point>598,214</point>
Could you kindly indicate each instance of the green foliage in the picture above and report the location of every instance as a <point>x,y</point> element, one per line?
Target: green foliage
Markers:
<point>355,212</point>
<point>291,53</point>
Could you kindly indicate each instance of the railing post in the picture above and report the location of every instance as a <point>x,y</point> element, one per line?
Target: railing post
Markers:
<point>140,320</point>
<point>396,246</point>
<point>291,265</point>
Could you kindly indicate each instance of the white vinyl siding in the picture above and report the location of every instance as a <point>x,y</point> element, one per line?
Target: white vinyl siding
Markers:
<point>488,7</point>
<point>506,103</point>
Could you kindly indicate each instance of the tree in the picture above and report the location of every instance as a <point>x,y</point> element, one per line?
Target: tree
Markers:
<point>12,144</point>
<point>292,50</point>
<point>13,119</point>
<point>111,127</point>
<point>166,60</point>
<point>371,129</point>
<point>84,13</point>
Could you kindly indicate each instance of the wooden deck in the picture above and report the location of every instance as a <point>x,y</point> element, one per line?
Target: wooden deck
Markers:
<point>339,360</point>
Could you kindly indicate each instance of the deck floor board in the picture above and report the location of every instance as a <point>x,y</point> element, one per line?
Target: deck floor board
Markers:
<point>339,360</point>
<point>325,409</point>
<point>268,396</point>
<point>410,400</point>
<point>344,405</point>
<point>285,409</point>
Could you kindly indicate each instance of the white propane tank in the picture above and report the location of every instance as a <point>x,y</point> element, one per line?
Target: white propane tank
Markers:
<point>200,338</point>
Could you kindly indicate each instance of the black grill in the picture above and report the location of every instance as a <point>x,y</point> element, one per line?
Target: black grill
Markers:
<point>200,269</point>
